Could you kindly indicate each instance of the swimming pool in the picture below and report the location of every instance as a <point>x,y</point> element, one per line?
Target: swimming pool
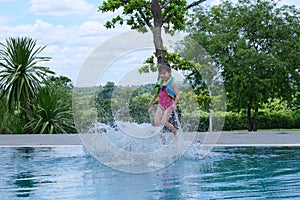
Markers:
<point>68,172</point>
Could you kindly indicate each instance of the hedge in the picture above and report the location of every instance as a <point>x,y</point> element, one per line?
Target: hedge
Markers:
<point>265,120</point>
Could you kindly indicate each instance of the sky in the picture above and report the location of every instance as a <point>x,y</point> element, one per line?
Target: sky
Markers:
<point>71,30</point>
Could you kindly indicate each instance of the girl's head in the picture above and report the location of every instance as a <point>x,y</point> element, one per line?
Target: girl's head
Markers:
<point>164,71</point>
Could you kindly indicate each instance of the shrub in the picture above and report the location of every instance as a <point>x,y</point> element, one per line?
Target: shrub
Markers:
<point>275,120</point>
<point>296,115</point>
<point>235,121</point>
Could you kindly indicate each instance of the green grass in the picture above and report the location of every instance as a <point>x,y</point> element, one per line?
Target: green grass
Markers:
<point>268,130</point>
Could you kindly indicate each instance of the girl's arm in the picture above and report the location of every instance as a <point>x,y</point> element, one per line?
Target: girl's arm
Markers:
<point>150,106</point>
<point>177,94</point>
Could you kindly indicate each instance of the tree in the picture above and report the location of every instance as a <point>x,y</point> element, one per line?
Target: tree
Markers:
<point>150,14</point>
<point>60,82</point>
<point>50,114</point>
<point>103,103</point>
<point>256,45</point>
<point>64,88</point>
<point>20,75</point>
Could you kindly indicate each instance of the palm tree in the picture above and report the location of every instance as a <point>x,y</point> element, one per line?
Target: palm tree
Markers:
<point>20,74</point>
<point>50,113</point>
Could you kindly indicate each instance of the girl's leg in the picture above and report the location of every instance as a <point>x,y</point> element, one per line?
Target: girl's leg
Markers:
<point>158,121</point>
<point>165,121</point>
<point>158,116</point>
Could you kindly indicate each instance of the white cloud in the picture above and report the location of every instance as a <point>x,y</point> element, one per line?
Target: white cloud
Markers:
<point>4,20</point>
<point>90,28</point>
<point>290,2</point>
<point>61,7</point>
<point>216,2</point>
<point>68,46</point>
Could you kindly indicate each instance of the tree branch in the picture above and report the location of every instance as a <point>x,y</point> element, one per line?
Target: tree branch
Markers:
<point>195,3</point>
<point>156,12</point>
<point>167,3</point>
<point>147,6</point>
<point>145,19</point>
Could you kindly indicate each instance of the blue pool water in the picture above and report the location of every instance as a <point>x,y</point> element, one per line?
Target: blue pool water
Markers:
<point>226,173</point>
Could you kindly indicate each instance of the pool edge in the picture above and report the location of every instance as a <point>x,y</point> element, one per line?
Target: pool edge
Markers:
<point>291,138</point>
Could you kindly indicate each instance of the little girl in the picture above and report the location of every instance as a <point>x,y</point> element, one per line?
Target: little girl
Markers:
<point>168,96</point>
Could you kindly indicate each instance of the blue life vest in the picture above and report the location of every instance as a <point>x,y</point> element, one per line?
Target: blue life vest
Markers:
<point>168,86</point>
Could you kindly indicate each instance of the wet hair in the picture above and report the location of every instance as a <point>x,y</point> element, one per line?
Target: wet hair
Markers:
<point>164,68</point>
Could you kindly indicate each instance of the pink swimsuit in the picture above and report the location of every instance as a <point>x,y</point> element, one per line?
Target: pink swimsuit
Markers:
<point>164,100</point>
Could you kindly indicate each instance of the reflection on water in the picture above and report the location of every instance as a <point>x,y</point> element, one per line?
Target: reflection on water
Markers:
<point>24,180</point>
<point>226,173</point>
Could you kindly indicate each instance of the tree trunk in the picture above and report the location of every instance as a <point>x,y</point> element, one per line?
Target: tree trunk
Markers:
<point>158,43</point>
<point>27,116</point>
<point>252,120</point>
<point>249,117</point>
<point>156,31</point>
<point>254,127</point>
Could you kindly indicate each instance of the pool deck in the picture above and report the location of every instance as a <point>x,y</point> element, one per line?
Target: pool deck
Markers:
<point>278,138</point>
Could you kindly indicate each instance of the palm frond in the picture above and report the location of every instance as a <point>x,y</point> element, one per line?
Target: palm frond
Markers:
<point>20,75</point>
<point>50,114</point>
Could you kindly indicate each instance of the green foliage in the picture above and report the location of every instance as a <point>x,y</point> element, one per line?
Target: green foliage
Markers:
<point>20,76</point>
<point>49,114</point>
<point>84,107</point>
<point>10,122</point>
<point>123,103</point>
<point>114,103</point>
<point>40,113</point>
<point>235,121</point>
<point>30,105</point>
<point>13,123</point>
<point>275,120</point>
<point>278,113</point>
<point>60,82</point>
<point>138,108</point>
<point>296,115</point>
<point>2,116</point>
<point>143,14</point>
<point>281,119</point>
<point>104,112</point>
<point>104,102</point>
<point>256,45</point>
<point>203,123</point>
<point>63,87</point>
<point>174,59</point>
<point>155,15</point>
<point>192,71</point>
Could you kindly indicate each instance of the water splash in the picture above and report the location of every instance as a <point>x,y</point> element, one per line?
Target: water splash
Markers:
<point>119,150</point>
